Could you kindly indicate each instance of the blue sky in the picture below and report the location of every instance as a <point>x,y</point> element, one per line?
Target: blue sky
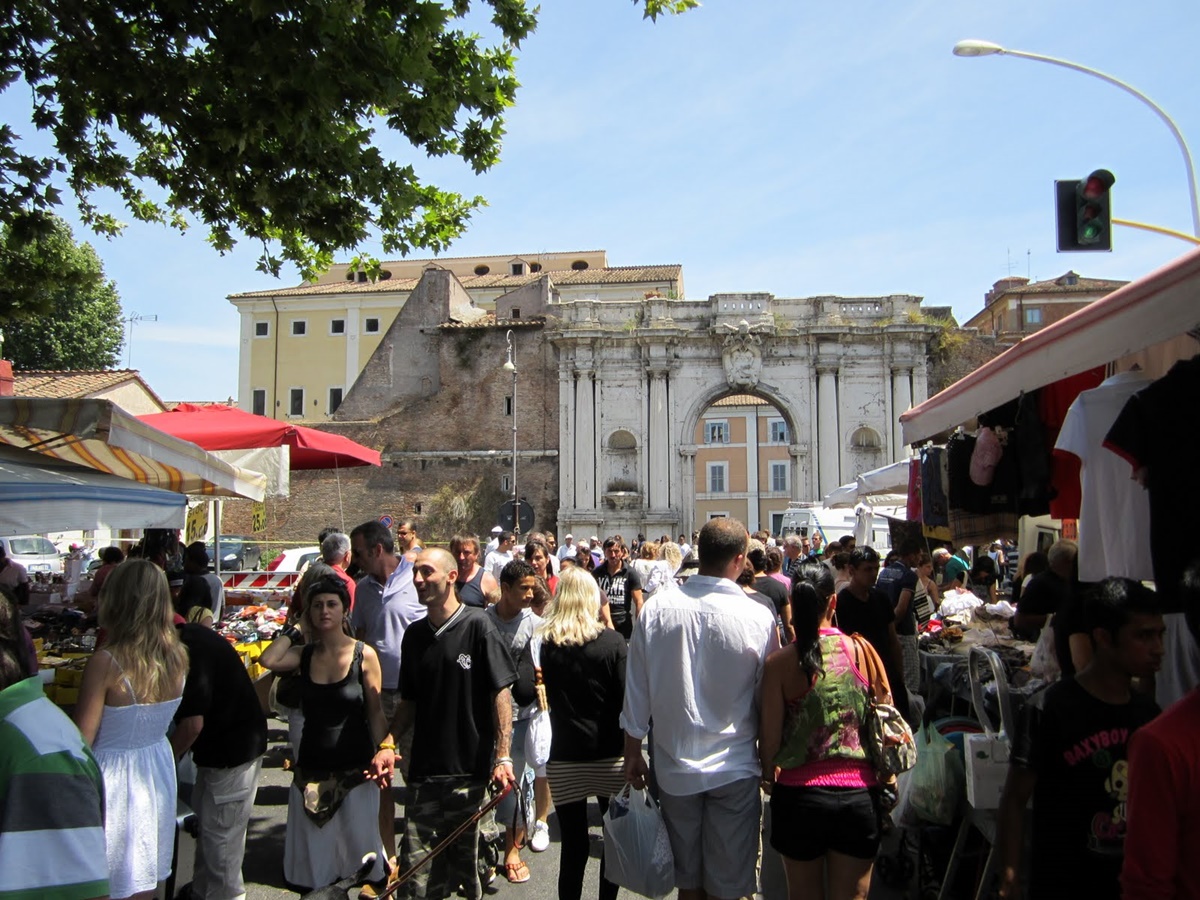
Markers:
<point>800,148</point>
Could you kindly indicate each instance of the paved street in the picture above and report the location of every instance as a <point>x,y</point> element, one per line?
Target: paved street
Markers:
<point>264,845</point>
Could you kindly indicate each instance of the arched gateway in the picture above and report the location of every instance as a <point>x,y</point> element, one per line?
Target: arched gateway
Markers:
<point>636,378</point>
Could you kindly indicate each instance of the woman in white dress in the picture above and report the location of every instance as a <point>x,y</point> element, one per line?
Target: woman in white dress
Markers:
<point>130,691</point>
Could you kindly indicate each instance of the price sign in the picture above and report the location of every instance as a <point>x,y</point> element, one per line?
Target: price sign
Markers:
<point>197,522</point>
<point>258,520</point>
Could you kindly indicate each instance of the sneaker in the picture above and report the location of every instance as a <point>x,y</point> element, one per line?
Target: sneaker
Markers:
<point>541,837</point>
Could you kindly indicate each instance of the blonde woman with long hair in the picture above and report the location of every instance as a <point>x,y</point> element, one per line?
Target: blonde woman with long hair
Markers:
<point>583,669</point>
<point>130,691</point>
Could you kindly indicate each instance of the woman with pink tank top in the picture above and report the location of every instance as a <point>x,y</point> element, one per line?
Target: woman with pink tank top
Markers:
<point>824,814</point>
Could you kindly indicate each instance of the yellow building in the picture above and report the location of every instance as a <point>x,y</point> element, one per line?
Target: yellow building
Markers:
<point>302,347</point>
<point>742,463</point>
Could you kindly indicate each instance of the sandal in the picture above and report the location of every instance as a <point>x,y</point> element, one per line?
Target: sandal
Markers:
<point>517,873</point>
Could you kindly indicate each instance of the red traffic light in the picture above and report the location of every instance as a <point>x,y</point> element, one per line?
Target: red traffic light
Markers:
<point>1098,183</point>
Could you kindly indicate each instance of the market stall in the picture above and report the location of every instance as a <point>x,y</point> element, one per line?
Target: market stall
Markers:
<point>39,493</point>
<point>1060,424</point>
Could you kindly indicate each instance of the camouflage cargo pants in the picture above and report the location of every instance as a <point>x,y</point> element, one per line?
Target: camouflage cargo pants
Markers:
<point>435,807</point>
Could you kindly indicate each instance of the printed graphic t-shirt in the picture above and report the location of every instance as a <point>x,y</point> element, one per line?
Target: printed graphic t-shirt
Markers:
<point>452,674</point>
<point>619,587</point>
<point>1078,746</point>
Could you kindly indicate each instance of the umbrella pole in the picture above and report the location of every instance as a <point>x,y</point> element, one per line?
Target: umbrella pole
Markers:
<point>337,474</point>
<point>217,537</point>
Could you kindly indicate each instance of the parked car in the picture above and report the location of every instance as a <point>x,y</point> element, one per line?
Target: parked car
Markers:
<point>239,553</point>
<point>294,559</point>
<point>35,552</point>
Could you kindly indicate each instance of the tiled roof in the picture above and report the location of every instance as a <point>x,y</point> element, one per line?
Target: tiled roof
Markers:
<point>495,281</point>
<point>445,259</point>
<point>490,321</point>
<point>1059,286</point>
<point>73,383</point>
<point>741,400</point>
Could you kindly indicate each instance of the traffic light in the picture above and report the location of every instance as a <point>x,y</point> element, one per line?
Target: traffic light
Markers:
<point>1083,212</point>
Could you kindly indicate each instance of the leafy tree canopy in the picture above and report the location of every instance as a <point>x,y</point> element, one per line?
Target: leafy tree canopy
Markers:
<point>259,117</point>
<point>70,318</point>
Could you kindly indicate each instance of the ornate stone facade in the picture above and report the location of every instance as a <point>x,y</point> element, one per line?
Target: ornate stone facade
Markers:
<point>636,377</point>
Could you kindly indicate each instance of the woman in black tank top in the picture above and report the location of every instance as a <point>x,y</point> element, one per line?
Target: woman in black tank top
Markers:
<point>333,810</point>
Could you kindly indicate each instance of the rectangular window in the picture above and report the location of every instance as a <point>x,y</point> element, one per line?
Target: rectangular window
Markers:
<point>716,478</point>
<point>778,431</point>
<point>716,432</point>
<point>506,484</point>
<point>337,326</point>
<point>262,329</point>
<point>516,312</point>
<point>1033,316</point>
<point>296,402</point>
<point>299,327</point>
<point>779,477</point>
<point>371,326</point>
<point>258,401</point>
<point>335,399</point>
<point>518,268</point>
<point>508,406</point>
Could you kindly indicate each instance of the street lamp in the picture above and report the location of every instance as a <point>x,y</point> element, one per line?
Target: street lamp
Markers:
<point>987,48</point>
<point>510,366</point>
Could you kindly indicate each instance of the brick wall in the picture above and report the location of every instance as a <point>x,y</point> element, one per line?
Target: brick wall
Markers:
<point>464,413</point>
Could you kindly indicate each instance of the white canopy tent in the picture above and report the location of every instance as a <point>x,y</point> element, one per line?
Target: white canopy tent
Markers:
<point>1151,310</point>
<point>40,494</point>
<point>886,486</point>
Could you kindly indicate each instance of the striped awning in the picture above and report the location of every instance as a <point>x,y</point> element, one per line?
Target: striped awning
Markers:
<point>101,436</point>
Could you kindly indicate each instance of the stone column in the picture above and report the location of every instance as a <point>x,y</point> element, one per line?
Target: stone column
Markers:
<point>799,453</point>
<point>566,461</point>
<point>687,512</point>
<point>585,440</point>
<point>901,401</point>
<point>659,480</point>
<point>829,438</point>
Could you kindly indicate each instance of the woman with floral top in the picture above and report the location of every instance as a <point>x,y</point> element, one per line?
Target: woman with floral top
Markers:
<point>824,816</point>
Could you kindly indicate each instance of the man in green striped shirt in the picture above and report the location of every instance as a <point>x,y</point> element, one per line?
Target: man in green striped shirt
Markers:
<point>51,795</point>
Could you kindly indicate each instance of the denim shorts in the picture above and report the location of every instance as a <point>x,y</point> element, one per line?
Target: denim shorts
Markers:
<point>808,822</point>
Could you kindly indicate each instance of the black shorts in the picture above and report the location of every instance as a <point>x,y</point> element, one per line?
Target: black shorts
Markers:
<point>808,822</point>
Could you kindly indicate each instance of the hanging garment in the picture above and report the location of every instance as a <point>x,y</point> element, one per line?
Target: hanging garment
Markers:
<point>1114,517</point>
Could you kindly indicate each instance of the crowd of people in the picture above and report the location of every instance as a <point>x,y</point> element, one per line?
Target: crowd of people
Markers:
<point>740,664</point>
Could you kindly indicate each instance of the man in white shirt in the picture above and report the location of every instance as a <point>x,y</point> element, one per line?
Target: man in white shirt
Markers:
<point>695,663</point>
<point>495,561</point>
<point>568,547</point>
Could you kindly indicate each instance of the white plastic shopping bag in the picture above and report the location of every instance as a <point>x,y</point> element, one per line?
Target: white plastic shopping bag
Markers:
<point>637,850</point>
<point>537,738</point>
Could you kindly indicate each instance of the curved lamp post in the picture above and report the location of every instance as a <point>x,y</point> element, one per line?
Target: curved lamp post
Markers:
<point>987,48</point>
<point>510,366</point>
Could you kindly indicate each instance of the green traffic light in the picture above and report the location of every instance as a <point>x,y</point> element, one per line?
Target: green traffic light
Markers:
<point>1090,233</point>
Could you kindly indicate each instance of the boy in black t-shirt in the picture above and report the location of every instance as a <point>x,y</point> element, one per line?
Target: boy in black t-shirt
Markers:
<point>1070,754</point>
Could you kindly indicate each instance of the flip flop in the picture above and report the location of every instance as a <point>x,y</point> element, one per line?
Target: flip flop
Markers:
<point>517,873</point>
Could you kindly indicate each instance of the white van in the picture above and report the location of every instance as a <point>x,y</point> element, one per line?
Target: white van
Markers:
<point>833,523</point>
<point>34,552</point>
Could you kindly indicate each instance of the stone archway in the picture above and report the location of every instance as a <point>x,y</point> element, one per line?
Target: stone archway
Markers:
<point>726,437</point>
<point>651,369</point>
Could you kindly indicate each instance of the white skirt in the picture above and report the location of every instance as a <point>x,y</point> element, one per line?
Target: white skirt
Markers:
<point>315,856</point>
